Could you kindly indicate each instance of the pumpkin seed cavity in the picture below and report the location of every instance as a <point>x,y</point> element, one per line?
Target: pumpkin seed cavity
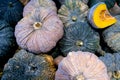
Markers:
<point>79,43</point>
<point>116,74</point>
<point>104,15</point>
<point>37,25</point>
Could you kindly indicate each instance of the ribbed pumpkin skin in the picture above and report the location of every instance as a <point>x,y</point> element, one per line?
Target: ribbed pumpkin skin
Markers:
<point>43,39</point>
<point>38,3</point>
<point>112,61</point>
<point>109,3</point>
<point>81,66</point>
<point>73,11</point>
<point>112,36</point>
<point>27,66</point>
<point>7,42</point>
<point>81,31</point>
<point>11,11</point>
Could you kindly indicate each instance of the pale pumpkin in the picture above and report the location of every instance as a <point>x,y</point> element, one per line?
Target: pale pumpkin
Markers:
<point>38,3</point>
<point>81,66</point>
<point>40,31</point>
<point>99,16</point>
<point>73,11</point>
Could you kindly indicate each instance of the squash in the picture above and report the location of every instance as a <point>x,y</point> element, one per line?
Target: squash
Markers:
<point>24,2</point>
<point>99,16</point>
<point>111,36</point>
<point>7,42</point>
<point>110,3</point>
<point>11,11</point>
<point>38,3</point>
<point>27,66</point>
<point>39,31</point>
<point>87,67</point>
<point>80,36</point>
<point>73,11</point>
<point>113,65</point>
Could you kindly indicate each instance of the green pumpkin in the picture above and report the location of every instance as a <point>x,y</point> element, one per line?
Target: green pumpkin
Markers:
<point>27,66</point>
<point>80,36</point>
<point>73,11</point>
<point>109,3</point>
<point>111,36</point>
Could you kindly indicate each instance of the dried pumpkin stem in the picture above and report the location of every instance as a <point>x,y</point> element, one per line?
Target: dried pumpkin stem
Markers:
<point>79,43</point>
<point>37,25</point>
<point>74,18</point>
<point>116,74</point>
<point>10,4</point>
<point>79,77</point>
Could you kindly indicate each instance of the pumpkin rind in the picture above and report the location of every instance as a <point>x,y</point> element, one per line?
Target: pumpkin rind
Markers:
<point>44,38</point>
<point>79,36</point>
<point>86,67</point>
<point>73,11</point>
<point>38,3</point>
<point>11,11</point>
<point>27,66</point>
<point>99,16</point>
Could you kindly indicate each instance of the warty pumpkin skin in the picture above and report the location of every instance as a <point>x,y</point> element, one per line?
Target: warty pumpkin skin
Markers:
<point>73,11</point>
<point>112,61</point>
<point>38,3</point>
<point>40,31</point>
<point>80,36</point>
<point>87,67</point>
<point>111,36</point>
<point>11,11</point>
<point>7,42</point>
<point>27,66</point>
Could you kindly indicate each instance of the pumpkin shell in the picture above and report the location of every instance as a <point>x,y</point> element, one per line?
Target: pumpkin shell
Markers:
<point>73,11</point>
<point>80,36</point>
<point>38,3</point>
<point>11,11</point>
<point>86,67</point>
<point>42,39</point>
<point>27,66</point>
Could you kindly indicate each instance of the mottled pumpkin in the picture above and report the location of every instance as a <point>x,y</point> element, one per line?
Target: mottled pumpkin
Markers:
<point>80,36</point>
<point>111,36</point>
<point>112,61</point>
<point>81,66</point>
<point>11,11</point>
<point>99,16</point>
<point>40,31</point>
<point>109,3</point>
<point>7,42</point>
<point>27,66</point>
<point>73,11</point>
<point>38,3</point>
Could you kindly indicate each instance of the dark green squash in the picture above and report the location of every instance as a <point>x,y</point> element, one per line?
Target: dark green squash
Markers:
<point>11,11</point>
<point>27,66</point>
<point>109,3</point>
<point>7,42</point>
<point>112,61</point>
<point>80,36</point>
<point>111,36</point>
<point>73,11</point>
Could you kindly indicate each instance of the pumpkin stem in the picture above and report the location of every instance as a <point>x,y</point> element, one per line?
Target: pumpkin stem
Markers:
<point>79,43</point>
<point>10,4</point>
<point>37,25</point>
<point>79,77</point>
<point>74,18</point>
<point>116,74</point>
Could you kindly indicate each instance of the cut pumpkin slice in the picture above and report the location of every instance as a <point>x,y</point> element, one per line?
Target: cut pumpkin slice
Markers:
<point>99,16</point>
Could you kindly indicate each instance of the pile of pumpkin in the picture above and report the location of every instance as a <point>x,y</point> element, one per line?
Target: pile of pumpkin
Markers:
<point>77,40</point>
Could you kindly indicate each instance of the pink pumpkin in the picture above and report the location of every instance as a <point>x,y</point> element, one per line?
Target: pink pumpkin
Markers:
<point>81,66</point>
<point>39,31</point>
<point>38,3</point>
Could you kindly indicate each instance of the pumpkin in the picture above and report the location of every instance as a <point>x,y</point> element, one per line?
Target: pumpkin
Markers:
<point>27,66</point>
<point>40,31</point>
<point>111,36</point>
<point>24,2</point>
<point>11,11</point>
<point>80,36</point>
<point>38,3</point>
<point>109,3</point>
<point>7,42</point>
<point>99,16</point>
<point>73,11</point>
<point>86,67</point>
<point>113,65</point>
